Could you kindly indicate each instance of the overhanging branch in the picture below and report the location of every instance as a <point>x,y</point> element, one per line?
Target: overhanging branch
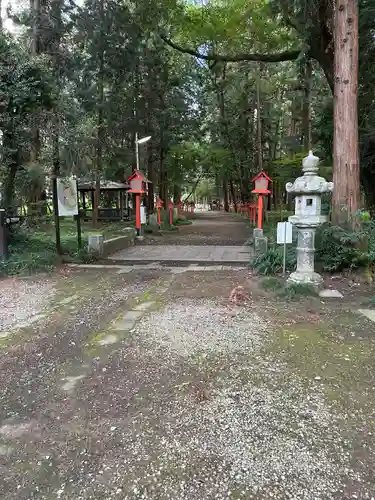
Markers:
<point>289,55</point>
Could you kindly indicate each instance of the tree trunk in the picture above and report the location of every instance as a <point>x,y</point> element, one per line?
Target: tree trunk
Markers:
<point>306,107</point>
<point>259,124</point>
<point>233,194</point>
<point>150,177</point>
<point>56,13</point>
<point>163,179</point>
<point>225,194</point>
<point>346,193</point>
<point>100,128</point>
<point>176,193</point>
<point>35,7</point>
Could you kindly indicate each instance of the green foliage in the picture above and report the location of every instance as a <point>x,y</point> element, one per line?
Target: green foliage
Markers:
<point>272,284</point>
<point>183,222</point>
<point>35,251</point>
<point>271,262</point>
<point>338,249</point>
<point>293,291</point>
<point>168,227</point>
<point>289,291</point>
<point>24,263</point>
<point>278,216</point>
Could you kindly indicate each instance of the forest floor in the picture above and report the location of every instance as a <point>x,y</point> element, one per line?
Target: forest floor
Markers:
<point>153,384</point>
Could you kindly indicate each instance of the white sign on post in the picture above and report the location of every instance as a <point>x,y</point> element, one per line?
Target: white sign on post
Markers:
<point>67,197</point>
<point>284,236</point>
<point>143,215</point>
<point>284,233</point>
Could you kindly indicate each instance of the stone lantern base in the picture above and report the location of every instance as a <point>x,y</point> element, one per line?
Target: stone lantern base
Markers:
<point>311,278</point>
<point>305,255</point>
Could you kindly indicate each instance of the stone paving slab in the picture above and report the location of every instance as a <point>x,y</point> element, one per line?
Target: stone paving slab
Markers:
<point>369,313</point>
<point>330,294</point>
<point>183,253</point>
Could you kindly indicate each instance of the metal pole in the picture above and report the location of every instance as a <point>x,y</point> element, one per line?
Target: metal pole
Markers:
<point>56,212</point>
<point>3,236</point>
<point>137,149</point>
<point>284,256</point>
<point>79,230</point>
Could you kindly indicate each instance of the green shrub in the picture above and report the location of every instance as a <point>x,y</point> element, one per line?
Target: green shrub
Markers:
<point>168,227</point>
<point>272,284</point>
<point>83,256</point>
<point>32,251</point>
<point>338,248</point>
<point>278,215</point>
<point>293,291</point>
<point>28,263</point>
<point>271,262</point>
<point>183,222</point>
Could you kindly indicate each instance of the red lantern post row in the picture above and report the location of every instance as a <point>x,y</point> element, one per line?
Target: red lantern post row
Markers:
<point>170,208</point>
<point>159,206</point>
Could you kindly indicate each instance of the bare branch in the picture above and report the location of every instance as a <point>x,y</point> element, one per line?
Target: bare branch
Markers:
<point>289,55</point>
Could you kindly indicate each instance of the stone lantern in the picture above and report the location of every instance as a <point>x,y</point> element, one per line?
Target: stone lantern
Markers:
<point>308,191</point>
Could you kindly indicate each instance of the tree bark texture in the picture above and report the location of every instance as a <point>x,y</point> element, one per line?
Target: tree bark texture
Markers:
<point>225,195</point>
<point>35,7</point>
<point>150,177</point>
<point>100,124</point>
<point>346,194</point>
<point>306,106</point>
<point>259,123</point>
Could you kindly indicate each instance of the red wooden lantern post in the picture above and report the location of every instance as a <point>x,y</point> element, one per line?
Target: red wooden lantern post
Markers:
<point>170,208</point>
<point>252,212</point>
<point>137,183</point>
<point>261,189</point>
<point>159,205</point>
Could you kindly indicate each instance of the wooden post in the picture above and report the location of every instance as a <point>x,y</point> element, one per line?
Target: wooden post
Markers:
<point>159,218</point>
<point>260,211</point>
<point>138,213</point>
<point>79,230</point>
<point>3,236</point>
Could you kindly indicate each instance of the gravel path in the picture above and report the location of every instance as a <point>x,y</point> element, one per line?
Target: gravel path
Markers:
<point>201,400</point>
<point>189,328</point>
<point>208,228</point>
<point>22,301</point>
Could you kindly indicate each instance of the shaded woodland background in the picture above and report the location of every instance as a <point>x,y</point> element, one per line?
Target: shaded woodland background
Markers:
<point>79,80</point>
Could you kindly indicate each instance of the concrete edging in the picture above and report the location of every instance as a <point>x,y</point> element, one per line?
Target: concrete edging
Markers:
<point>103,247</point>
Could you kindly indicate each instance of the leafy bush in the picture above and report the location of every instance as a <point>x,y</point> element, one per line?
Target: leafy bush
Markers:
<point>338,248</point>
<point>182,222</point>
<point>278,215</point>
<point>293,291</point>
<point>272,284</point>
<point>31,251</point>
<point>271,262</point>
<point>28,263</point>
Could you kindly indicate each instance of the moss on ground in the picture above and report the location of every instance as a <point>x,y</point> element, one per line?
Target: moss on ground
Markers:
<point>342,365</point>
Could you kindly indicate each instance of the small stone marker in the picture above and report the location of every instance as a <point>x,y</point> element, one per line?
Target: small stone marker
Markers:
<point>330,294</point>
<point>260,245</point>
<point>96,243</point>
<point>108,340</point>
<point>369,313</point>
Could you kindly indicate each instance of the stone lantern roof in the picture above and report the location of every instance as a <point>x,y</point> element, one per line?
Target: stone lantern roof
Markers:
<point>309,183</point>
